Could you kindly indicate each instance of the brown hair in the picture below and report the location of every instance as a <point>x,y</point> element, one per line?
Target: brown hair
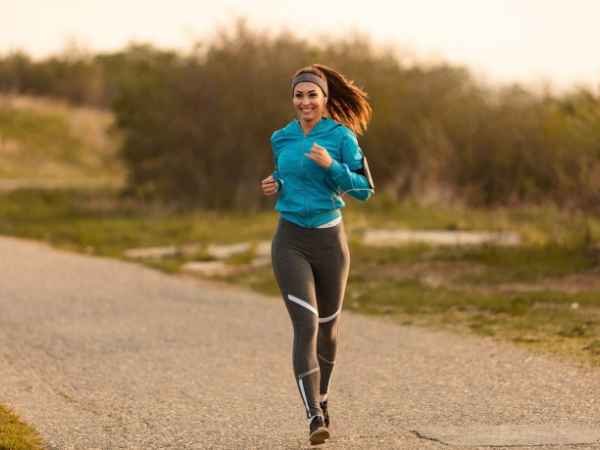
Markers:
<point>346,103</point>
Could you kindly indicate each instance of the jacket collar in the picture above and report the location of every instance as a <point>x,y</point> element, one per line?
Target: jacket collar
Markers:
<point>326,124</point>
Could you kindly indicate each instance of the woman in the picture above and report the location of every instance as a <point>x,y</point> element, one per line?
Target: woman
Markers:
<point>317,158</point>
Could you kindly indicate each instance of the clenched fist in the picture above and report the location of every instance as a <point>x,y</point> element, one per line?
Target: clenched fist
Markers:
<point>320,156</point>
<point>269,185</point>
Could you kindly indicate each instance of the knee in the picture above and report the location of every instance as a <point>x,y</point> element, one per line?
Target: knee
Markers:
<point>306,329</point>
<point>328,332</point>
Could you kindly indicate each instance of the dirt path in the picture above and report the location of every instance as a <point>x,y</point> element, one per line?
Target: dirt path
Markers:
<point>103,354</point>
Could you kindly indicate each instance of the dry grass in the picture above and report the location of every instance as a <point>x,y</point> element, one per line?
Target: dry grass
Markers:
<point>45,142</point>
<point>16,435</point>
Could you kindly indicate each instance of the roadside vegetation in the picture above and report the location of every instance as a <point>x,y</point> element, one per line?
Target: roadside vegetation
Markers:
<point>195,126</point>
<point>48,143</point>
<point>16,435</point>
<point>544,293</point>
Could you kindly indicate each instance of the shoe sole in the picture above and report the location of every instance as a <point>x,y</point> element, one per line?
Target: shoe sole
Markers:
<point>319,436</point>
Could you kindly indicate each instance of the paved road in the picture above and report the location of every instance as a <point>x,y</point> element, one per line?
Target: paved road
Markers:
<point>102,354</point>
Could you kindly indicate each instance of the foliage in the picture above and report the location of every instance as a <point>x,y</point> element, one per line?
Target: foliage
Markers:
<point>196,126</point>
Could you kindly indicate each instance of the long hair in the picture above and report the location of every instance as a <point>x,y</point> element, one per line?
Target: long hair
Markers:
<point>346,102</point>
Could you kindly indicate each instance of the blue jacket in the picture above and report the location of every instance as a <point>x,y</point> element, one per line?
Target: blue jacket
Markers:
<point>310,195</point>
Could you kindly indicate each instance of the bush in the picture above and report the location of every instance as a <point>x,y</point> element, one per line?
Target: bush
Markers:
<point>197,126</point>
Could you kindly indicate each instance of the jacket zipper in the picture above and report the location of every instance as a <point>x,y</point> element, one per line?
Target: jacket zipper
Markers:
<point>304,176</point>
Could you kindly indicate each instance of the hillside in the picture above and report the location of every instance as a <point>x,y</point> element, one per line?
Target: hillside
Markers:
<point>46,143</point>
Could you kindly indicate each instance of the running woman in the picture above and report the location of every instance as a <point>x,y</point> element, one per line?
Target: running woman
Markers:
<point>317,159</point>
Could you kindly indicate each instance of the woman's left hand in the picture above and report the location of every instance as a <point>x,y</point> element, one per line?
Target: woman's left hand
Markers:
<point>320,156</point>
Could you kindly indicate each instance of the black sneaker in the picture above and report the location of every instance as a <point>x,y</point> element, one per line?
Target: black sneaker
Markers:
<point>325,412</point>
<point>318,432</point>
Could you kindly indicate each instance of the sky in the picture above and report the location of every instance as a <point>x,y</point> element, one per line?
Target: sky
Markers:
<point>531,41</point>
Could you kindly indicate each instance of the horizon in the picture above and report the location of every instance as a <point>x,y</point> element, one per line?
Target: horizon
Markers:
<point>537,43</point>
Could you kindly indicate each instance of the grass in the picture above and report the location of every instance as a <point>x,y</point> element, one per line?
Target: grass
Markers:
<point>562,323</point>
<point>527,263</point>
<point>16,435</point>
<point>537,225</point>
<point>505,292</point>
<point>46,142</point>
<point>488,290</point>
<point>102,223</point>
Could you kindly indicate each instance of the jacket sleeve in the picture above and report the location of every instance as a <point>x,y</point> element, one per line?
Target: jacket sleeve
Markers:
<point>275,172</point>
<point>349,175</point>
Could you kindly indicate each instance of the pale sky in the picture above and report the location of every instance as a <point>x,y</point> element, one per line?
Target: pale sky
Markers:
<point>503,40</point>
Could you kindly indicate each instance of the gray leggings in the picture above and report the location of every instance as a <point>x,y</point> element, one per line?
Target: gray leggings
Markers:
<point>311,266</point>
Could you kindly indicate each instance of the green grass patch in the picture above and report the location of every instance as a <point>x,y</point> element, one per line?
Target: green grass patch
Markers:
<point>527,263</point>
<point>15,434</point>
<point>103,223</point>
<point>523,263</point>
<point>536,225</point>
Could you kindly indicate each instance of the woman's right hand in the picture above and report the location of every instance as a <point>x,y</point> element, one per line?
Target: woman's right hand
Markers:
<point>269,185</point>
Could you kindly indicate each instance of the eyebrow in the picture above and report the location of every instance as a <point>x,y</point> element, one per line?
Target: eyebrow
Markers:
<point>302,92</point>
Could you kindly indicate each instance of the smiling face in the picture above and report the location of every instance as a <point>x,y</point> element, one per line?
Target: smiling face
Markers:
<point>309,101</point>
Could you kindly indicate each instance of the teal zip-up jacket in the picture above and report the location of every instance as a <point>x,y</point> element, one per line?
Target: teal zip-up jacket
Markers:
<point>309,195</point>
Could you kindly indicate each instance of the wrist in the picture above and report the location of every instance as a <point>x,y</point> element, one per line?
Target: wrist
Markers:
<point>335,168</point>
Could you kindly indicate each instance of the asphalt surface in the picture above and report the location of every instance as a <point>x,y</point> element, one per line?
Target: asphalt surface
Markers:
<point>103,354</point>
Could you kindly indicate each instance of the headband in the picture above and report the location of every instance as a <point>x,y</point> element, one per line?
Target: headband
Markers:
<point>311,78</point>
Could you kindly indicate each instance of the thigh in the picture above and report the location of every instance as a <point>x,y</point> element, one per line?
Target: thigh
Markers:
<point>331,270</point>
<point>295,278</point>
